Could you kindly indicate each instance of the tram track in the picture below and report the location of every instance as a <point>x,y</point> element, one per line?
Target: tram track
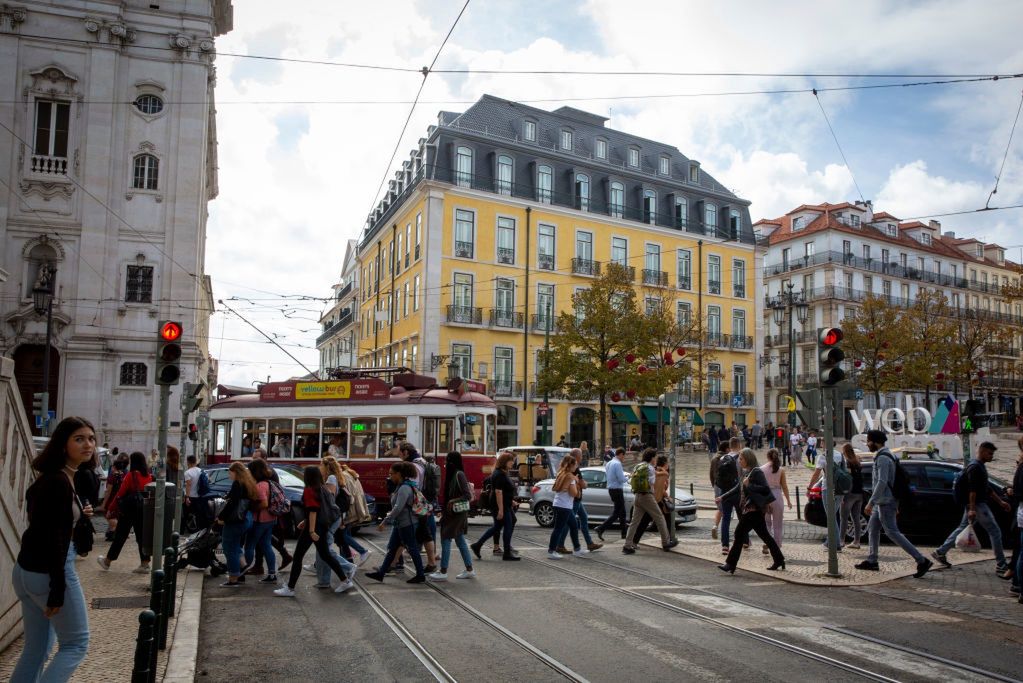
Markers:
<point>830,661</point>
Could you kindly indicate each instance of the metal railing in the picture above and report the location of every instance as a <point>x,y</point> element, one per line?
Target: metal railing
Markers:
<point>465,315</point>
<point>655,278</point>
<point>581,266</point>
<point>545,261</point>
<point>464,249</point>
<point>505,318</point>
<point>714,286</point>
<point>685,282</point>
<point>541,322</point>
<point>331,330</point>
<point>499,388</point>
<point>47,165</point>
<point>505,255</point>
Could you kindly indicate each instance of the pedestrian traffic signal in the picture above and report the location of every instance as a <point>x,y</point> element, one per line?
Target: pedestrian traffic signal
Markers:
<point>193,432</point>
<point>168,353</point>
<point>830,356</point>
<point>38,408</point>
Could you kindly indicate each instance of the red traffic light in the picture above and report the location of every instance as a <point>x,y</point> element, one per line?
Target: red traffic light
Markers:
<point>831,336</point>
<point>170,331</point>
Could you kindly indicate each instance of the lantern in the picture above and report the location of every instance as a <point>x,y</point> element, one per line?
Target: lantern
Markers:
<point>641,369</point>
<point>669,358</point>
<point>612,364</point>
<point>616,397</point>
<point>630,358</point>
<point>681,352</point>
<point>631,393</point>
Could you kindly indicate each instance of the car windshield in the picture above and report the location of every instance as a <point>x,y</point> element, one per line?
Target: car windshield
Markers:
<point>289,480</point>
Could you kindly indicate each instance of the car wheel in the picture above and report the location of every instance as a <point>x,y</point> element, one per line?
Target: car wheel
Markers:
<point>544,514</point>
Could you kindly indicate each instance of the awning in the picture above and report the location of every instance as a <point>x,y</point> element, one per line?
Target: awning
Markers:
<point>650,414</point>
<point>697,420</point>
<point>625,414</point>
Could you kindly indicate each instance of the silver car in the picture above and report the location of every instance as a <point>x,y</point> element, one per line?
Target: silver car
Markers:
<point>597,500</point>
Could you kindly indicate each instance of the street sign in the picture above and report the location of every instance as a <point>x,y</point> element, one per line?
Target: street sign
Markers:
<point>542,409</point>
<point>737,401</point>
<point>859,394</point>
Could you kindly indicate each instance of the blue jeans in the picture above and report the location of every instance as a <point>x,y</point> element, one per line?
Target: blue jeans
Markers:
<point>838,517</point>
<point>883,515</point>
<point>986,520</point>
<point>507,525</point>
<point>70,626</point>
<point>564,521</point>
<point>727,507</point>
<point>583,521</point>
<point>403,537</point>
<point>261,536</point>
<point>445,552</point>
<point>322,568</point>
<point>232,542</point>
<point>350,540</point>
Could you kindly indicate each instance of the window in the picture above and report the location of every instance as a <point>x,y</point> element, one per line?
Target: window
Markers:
<point>582,192</point>
<point>786,253</point>
<point>739,379</point>
<point>408,241</point>
<point>652,258</point>
<point>505,240</point>
<point>503,370</point>
<point>149,104</point>
<point>419,232</point>
<point>685,313</point>
<point>904,260</point>
<point>734,224</point>
<point>601,148</point>
<point>714,274</point>
<point>694,172</point>
<point>665,166</point>
<point>649,206</point>
<point>404,300</point>
<point>461,358</point>
<point>681,212</point>
<point>633,157</point>
<point>710,219</point>
<point>868,284</point>
<point>529,131</point>
<point>53,120</point>
<point>886,288</point>
<point>414,355</point>
<point>848,282</point>
<point>463,291</point>
<point>921,261</point>
<point>544,306</point>
<point>905,292</point>
<point>133,374</point>
<point>685,269</point>
<point>584,247</point>
<point>397,254</point>
<point>139,285</point>
<point>866,252</point>
<point>544,184</point>
<point>925,238</point>
<point>364,438</point>
<point>739,323</point>
<point>714,382</point>
<point>464,233</point>
<point>808,249</point>
<point>885,256</point>
<point>617,200</point>
<point>891,230</point>
<point>652,303</point>
<point>505,299</point>
<point>620,251</point>
<point>463,167</point>
<point>505,173</point>
<point>545,247</point>
<point>415,294</point>
<point>714,320</point>
<point>566,139</point>
<point>146,172</point>
<point>738,278</point>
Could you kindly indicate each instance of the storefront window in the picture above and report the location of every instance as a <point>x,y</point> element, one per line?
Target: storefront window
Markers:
<point>280,444</point>
<point>364,438</point>
<point>392,433</point>
<point>335,433</point>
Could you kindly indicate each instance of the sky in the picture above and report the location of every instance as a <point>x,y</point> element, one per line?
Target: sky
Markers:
<point>300,169</point>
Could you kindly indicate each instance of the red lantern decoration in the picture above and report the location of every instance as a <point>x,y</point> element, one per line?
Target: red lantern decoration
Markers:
<point>857,364</point>
<point>616,397</point>
<point>941,387</point>
<point>630,358</point>
<point>669,359</point>
<point>898,368</point>
<point>885,345</point>
<point>641,369</point>
<point>631,393</point>
<point>681,352</point>
<point>980,374</point>
<point>612,364</point>
<point>940,376</point>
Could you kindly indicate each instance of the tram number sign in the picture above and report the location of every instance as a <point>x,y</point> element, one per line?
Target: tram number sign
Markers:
<point>543,409</point>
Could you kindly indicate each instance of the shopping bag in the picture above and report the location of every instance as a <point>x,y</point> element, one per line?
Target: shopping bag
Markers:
<point>967,540</point>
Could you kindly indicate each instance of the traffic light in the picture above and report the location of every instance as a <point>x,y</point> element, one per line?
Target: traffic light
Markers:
<point>830,356</point>
<point>193,432</point>
<point>168,353</point>
<point>970,412</point>
<point>190,398</point>
<point>811,400</point>
<point>38,404</point>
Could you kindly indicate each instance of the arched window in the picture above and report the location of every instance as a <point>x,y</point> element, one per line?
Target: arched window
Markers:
<point>146,172</point>
<point>544,184</point>
<point>505,173</point>
<point>582,191</point>
<point>463,167</point>
<point>617,200</point>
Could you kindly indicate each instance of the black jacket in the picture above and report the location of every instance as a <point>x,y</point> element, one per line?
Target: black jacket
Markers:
<point>87,486</point>
<point>45,543</point>
<point>755,488</point>
<point>1017,486</point>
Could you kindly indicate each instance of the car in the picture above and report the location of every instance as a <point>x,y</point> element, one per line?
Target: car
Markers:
<point>597,500</point>
<point>297,473</point>
<point>220,484</point>
<point>533,464</point>
<point>932,513</point>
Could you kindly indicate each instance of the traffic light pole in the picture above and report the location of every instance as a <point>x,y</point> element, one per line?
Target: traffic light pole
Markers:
<point>831,412</point>
<point>159,502</point>
<point>671,463</point>
<point>179,475</point>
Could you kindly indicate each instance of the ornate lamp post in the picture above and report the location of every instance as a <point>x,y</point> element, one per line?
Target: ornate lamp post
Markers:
<point>795,307</point>
<point>42,302</point>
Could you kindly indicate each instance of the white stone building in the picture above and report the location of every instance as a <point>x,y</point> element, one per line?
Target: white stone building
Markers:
<point>108,143</point>
<point>339,343</point>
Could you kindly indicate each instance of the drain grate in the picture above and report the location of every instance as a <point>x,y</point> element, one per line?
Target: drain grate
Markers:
<point>122,602</point>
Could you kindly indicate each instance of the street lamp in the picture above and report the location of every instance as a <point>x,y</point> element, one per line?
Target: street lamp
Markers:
<point>795,307</point>
<point>42,302</point>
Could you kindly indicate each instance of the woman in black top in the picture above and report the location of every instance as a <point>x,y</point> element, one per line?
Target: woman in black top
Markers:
<point>755,494</point>
<point>504,508</point>
<point>45,580</point>
<point>453,525</point>
<point>852,502</point>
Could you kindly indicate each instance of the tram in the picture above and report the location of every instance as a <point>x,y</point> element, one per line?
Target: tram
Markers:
<point>366,418</point>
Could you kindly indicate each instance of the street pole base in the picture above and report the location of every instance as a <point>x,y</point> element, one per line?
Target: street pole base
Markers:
<point>833,575</point>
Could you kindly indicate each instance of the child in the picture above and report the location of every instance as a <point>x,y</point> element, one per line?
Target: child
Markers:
<point>403,531</point>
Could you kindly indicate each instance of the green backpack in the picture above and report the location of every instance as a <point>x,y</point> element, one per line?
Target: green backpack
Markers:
<point>640,481</point>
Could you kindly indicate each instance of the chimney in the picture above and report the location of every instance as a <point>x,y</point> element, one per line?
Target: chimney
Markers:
<point>935,224</point>
<point>951,235</point>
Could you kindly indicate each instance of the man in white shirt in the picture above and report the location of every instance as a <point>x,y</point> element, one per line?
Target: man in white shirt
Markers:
<point>282,449</point>
<point>192,499</point>
<point>796,446</point>
<point>819,475</point>
<point>811,447</point>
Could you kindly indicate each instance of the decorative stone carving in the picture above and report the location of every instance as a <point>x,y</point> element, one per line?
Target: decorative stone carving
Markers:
<point>45,240</point>
<point>179,41</point>
<point>47,190</point>
<point>53,80</point>
<point>91,24</point>
<point>10,17</point>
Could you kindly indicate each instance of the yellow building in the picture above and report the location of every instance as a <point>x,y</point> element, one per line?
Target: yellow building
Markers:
<point>505,209</point>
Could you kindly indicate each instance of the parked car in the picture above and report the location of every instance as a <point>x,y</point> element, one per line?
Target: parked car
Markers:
<point>932,513</point>
<point>220,484</point>
<point>297,473</point>
<point>597,500</point>
<point>533,464</point>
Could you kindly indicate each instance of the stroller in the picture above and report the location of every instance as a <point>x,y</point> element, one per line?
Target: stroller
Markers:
<point>199,550</point>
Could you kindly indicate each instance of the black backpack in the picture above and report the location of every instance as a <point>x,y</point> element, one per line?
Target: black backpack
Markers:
<point>961,486</point>
<point>343,500</point>
<point>728,473</point>
<point>900,486</point>
<point>431,480</point>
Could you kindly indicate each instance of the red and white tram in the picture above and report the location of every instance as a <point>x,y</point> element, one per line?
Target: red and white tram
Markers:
<point>365,417</point>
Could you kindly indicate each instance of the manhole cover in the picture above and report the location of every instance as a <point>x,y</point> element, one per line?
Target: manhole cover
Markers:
<point>126,602</point>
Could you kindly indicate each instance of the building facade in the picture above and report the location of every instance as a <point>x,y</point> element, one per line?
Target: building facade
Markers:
<point>338,343</point>
<point>109,142</point>
<point>504,211</point>
<point>835,255</point>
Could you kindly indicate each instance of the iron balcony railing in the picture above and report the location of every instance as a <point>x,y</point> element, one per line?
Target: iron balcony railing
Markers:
<point>465,315</point>
<point>714,286</point>
<point>545,261</point>
<point>685,282</point>
<point>505,255</point>
<point>506,319</point>
<point>655,278</point>
<point>504,388</point>
<point>739,291</point>
<point>464,249</point>
<point>581,266</point>
<point>542,322</point>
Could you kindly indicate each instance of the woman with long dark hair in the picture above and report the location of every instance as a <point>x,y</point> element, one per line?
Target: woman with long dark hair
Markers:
<point>129,506</point>
<point>242,499</point>
<point>852,502</point>
<point>754,496</point>
<point>45,580</point>
<point>774,513</point>
<point>115,477</point>
<point>455,521</point>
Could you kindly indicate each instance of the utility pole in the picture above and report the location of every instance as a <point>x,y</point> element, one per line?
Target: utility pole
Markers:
<point>546,359</point>
<point>159,493</point>
<point>671,461</point>
<point>831,406</point>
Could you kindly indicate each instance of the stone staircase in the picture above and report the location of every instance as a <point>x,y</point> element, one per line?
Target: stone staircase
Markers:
<point>16,453</point>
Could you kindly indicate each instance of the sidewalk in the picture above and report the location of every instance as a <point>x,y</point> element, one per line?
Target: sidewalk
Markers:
<point>113,630</point>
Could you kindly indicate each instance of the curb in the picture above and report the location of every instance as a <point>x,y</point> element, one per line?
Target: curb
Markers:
<point>184,650</point>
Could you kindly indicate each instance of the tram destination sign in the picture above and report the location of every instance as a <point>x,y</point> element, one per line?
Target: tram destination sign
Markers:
<point>348,390</point>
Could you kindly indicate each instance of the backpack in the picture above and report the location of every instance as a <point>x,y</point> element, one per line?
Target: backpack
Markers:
<point>486,499</point>
<point>202,487</point>
<point>420,506</point>
<point>843,479</point>
<point>640,480</point>
<point>431,480</point>
<point>343,500</point>
<point>728,474</point>
<point>961,486</point>
<point>329,511</point>
<point>277,504</point>
<point>899,487</point>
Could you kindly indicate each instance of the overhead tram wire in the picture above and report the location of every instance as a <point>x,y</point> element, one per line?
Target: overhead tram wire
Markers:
<point>838,144</point>
<point>270,339</point>
<point>1008,145</point>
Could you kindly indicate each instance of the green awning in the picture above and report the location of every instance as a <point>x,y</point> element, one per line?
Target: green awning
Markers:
<point>697,420</point>
<point>650,414</point>
<point>624,414</point>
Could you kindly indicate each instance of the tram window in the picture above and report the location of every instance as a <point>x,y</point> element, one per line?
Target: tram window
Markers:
<point>335,435</point>
<point>307,437</point>
<point>445,431</point>
<point>429,436</point>
<point>472,433</point>
<point>491,433</point>
<point>364,438</point>
<point>392,433</point>
<point>221,437</point>
<point>280,438</point>
<point>253,436</point>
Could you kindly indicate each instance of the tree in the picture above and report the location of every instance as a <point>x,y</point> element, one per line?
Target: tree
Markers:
<point>879,344</point>
<point>975,333</point>
<point>605,346</point>
<point>930,326</point>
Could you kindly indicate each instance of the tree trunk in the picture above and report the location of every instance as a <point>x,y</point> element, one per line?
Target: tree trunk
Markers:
<point>603,426</point>
<point>877,398</point>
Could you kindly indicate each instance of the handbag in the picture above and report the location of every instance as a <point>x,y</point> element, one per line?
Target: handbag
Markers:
<point>666,505</point>
<point>82,534</point>
<point>238,513</point>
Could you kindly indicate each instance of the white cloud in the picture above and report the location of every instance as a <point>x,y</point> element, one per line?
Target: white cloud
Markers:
<point>777,183</point>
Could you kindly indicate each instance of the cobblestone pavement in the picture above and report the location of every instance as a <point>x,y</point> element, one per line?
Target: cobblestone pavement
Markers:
<point>112,631</point>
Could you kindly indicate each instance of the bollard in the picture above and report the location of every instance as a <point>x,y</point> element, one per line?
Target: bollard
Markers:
<point>692,490</point>
<point>171,563</point>
<point>142,672</point>
<point>799,508</point>
<point>155,605</point>
<point>168,598</point>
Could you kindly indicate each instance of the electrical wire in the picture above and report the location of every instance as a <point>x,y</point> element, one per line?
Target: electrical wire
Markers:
<point>1008,145</point>
<point>838,144</point>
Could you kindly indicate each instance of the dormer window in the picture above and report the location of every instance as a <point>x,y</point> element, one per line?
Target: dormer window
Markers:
<point>891,229</point>
<point>529,131</point>
<point>798,223</point>
<point>925,238</point>
<point>633,157</point>
<point>980,251</point>
<point>854,220</point>
<point>665,167</point>
<point>694,172</point>
<point>600,149</point>
<point>566,140</point>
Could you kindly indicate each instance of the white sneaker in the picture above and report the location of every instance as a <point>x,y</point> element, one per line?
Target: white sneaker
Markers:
<point>437,576</point>
<point>309,568</point>
<point>141,569</point>
<point>102,561</point>
<point>554,555</point>
<point>362,558</point>
<point>344,586</point>
<point>580,552</point>
<point>285,592</point>
<point>467,574</point>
